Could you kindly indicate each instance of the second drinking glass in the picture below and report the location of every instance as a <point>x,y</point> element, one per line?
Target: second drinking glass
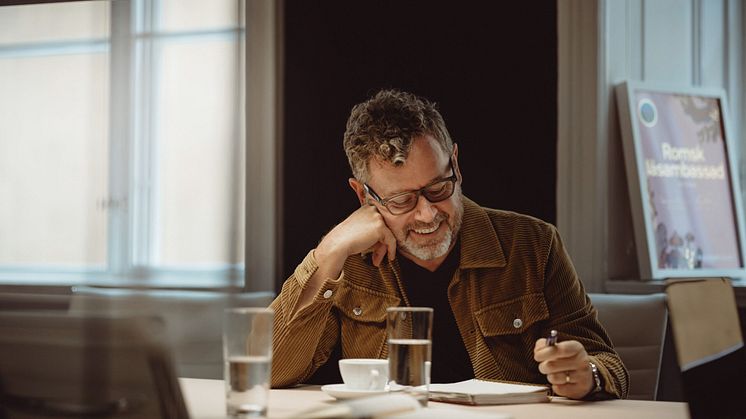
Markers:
<point>409,332</point>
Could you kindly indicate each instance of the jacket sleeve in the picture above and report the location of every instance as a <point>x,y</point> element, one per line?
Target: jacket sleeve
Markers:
<point>573,316</point>
<point>302,341</point>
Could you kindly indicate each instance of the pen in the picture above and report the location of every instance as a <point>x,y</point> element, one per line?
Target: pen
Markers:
<point>552,339</point>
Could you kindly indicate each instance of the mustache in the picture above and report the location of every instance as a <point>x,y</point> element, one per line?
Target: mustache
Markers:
<point>417,225</point>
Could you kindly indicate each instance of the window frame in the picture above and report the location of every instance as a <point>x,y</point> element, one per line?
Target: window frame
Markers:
<point>131,205</point>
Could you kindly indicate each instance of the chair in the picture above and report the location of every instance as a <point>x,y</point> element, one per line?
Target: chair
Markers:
<point>54,364</point>
<point>193,319</point>
<point>25,301</point>
<point>637,327</point>
<point>709,346</point>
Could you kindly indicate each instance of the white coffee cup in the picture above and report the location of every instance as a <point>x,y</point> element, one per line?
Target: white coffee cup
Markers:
<point>364,373</point>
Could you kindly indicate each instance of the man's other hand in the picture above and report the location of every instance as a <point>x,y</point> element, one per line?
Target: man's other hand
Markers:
<point>566,366</point>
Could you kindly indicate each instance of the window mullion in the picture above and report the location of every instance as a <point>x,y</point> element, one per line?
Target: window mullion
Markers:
<point>143,190</point>
<point>120,136</point>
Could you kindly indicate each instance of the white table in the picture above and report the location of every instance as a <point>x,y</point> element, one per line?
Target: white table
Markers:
<point>206,400</point>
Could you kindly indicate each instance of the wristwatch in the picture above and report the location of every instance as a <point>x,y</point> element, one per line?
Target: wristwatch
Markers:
<point>597,388</point>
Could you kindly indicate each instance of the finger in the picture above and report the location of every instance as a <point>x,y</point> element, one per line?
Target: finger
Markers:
<point>565,349</point>
<point>538,346</point>
<point>560,378</point>
<point>563,364</point>
<point>579,363</point>
<point>540,343</point>
<point>569,348</point>
<point>567,376</point>
<point>552,367</point>
<point>378,253</point>
<point>572,384</point>
<point>545,353</point>
<point>572,390</point>
<point>390,242</point>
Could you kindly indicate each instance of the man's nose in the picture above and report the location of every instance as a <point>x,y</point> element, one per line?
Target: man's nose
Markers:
<point>425,211</point>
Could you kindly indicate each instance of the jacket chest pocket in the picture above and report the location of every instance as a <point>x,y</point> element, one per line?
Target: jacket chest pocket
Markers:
<point>512,317</point>
<point>362,315</point>
<point>509,331</point>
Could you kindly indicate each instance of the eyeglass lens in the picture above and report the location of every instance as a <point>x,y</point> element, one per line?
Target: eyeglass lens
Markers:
<point>434,193</point>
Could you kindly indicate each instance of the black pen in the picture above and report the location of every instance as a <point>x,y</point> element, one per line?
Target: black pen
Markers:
<point>552,339</point>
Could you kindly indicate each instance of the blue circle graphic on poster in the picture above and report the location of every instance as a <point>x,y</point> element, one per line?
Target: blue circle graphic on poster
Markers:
<point>647,112</point>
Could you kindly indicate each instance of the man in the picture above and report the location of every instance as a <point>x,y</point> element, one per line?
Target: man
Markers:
<point>499,281</point>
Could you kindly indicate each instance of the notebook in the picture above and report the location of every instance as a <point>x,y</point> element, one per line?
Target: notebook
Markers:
<point>79,366</point>
<point>481,392</point>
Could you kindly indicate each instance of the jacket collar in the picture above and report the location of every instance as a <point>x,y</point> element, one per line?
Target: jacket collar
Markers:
<point>480,247</point>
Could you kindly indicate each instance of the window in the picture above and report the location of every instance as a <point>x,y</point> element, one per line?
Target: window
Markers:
<point>122,141</point>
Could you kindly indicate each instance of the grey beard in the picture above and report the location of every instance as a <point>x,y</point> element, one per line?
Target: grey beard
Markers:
<point>432,251</point>
<point>429,251</point>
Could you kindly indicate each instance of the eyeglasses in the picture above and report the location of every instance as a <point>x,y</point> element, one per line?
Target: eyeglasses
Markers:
<point>403,202</point>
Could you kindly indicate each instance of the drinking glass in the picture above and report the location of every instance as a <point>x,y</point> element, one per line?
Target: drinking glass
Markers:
<point>247,353</point>
<point>409,332</point>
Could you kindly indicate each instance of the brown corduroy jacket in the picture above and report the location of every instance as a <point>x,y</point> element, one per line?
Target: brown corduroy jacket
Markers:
<point>515,282</point>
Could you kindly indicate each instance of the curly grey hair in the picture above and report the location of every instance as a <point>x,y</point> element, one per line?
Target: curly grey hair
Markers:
<point>384,126</point>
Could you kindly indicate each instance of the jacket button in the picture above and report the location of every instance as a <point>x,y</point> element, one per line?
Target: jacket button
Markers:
<point>517,323</point>
<point>327,293</point>
<point>357,311</point>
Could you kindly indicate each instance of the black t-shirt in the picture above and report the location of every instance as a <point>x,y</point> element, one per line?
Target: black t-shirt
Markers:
<point>450,361</point>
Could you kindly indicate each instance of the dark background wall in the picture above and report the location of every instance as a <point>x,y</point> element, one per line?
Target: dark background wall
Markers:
<point>491,67</point>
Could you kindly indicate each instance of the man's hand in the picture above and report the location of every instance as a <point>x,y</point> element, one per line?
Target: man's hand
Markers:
<point>363,231</point>
<point>566,366</point>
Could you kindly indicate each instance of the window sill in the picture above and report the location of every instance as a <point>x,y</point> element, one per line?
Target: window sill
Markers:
<point>216,281</point>
<point>636,286</point>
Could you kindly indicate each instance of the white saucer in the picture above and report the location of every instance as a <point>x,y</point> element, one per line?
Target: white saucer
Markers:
<point>340,391</point>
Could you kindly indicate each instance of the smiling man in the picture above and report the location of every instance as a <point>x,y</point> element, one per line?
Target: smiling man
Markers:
<point>499,281</point>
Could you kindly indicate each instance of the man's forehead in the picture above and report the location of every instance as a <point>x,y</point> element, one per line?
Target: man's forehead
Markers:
<point>417,171</point>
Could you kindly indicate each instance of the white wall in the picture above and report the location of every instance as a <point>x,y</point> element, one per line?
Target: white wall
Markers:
<point>602,43</point>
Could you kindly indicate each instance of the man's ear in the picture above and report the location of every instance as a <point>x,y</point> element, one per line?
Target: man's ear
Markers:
<point>456,166</point>
<point>358,188</point>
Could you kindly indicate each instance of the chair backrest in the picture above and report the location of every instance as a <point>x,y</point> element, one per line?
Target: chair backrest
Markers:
<point>193,319</point>
<point>61,365</point>
<point>709,346</point>
<point>637,327</point>
<point>25,301</point>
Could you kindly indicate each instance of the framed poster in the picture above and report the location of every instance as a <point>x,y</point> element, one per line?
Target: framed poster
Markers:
<point>683,182</point>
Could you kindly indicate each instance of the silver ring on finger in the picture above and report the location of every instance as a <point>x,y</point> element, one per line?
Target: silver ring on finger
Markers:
<point>567,377</point>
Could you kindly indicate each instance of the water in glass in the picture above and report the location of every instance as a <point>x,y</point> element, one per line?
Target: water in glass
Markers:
<point>247,385</point>
<point>408,369</point>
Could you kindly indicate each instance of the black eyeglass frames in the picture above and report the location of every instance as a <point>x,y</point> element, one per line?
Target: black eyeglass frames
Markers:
<point>401,203</point>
